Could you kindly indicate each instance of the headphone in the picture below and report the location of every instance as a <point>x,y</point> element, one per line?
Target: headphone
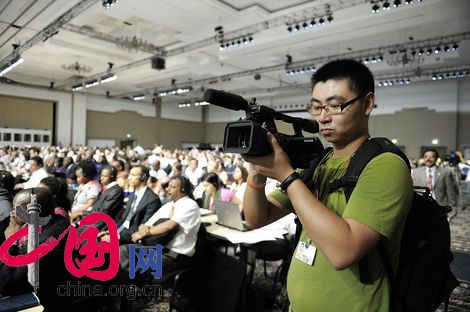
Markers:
<point>144,173</point>
<point>186,184</point>
<point>112,172</point>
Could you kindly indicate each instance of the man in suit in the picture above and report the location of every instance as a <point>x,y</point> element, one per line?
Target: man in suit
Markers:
<point>140,206</point>
<point>111,199</point>
<point>438,180</point>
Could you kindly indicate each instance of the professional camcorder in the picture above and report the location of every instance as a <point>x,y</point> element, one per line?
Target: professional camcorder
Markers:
<point>248,135</point>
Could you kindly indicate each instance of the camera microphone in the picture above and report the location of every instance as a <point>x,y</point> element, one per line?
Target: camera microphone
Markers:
<point>225,99</point>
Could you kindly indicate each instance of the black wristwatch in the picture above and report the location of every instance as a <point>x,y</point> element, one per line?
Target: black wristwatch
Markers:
<point>288,181</point>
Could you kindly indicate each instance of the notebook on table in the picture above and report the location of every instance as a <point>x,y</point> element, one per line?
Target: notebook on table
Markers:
<point>228,215</point>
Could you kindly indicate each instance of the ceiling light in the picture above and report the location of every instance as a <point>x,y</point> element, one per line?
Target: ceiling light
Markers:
<point>396,3</point>
<point>15,62</point>
<point>321,21</point>
<point>375,8</point>
<point>386,6</point>
<point>77,87</point>
<point>107,78</point>
<point>139,97</point>
<point>91,83</point>
<point>175,91</point>
<point>329,18</point>
<point>109,3</point>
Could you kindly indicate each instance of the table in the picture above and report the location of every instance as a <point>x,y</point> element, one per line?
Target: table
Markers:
<point>245,240</point>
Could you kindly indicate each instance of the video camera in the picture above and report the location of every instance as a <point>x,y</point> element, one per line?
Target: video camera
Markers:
<point>248,135</point>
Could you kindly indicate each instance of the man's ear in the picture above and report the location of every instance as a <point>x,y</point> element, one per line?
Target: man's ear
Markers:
<point>369,103</point>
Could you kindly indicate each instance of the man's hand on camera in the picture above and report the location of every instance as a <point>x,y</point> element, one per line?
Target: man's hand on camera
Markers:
<point>275,165</point>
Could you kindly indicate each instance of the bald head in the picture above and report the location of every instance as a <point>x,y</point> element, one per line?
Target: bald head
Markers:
<point>44,198</point>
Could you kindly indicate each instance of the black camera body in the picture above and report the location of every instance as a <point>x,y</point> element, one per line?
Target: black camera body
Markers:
<point>248,136</point>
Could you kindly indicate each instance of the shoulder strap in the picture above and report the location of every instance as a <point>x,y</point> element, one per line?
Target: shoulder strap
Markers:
<point>308,173</point>
<point>368,150</point>
<point>307,178</point>
<point>364,154</point>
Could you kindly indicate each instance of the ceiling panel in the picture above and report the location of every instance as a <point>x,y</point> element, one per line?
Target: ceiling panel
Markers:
<point>184,33</point>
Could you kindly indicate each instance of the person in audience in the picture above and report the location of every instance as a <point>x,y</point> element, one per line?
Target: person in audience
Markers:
<point>439,180</point>
<point>38,172</point>
<point>156,171</point>
<point>6,198</point>
<point>214,190</point>
<point>324,271</point>
<point>180,216</point>
<point>111,199</point>
<point>52,271</point>
<point>193,172</point>
<point>88,190</point>
<point>176,169</point>
<point>142,204</point>
<point>4,156</point>
<point>58,189</point>
<point>122,174</point>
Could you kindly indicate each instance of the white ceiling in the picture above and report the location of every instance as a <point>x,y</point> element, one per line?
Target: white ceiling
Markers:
<point>184,32</point>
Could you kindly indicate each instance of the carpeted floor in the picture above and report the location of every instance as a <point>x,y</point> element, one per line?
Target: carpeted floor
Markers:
<point>266,297</point>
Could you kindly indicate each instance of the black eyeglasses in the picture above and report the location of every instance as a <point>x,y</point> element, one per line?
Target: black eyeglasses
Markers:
<point>334,109</point>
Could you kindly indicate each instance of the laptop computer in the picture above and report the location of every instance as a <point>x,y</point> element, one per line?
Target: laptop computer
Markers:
<point>228,215</point>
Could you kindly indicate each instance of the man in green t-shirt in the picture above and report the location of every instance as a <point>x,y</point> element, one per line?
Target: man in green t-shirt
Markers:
<point>324,272</point>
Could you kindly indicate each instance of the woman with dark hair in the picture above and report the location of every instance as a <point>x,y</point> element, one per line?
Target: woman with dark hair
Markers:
<point>214,190</point>
<point>88,189</point>
<point>58,189</point>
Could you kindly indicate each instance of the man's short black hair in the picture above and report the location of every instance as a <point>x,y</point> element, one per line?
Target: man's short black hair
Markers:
<point>38,160</point>
<point>431,150</point>
<point>360,78</point>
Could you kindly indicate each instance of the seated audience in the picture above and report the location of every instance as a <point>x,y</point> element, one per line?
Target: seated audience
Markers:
<point>214,190</point>
<point>193,172</point>
<point>14,280</point>
<point>142,204</point>
<point>6,198</point>
<point>58,189</point>
<point>111,199</point>
<point>38,172</point>
<point>88,189</point>
<point>182,217</point>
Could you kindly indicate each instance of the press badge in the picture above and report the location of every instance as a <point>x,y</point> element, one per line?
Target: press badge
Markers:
<point>306,252</point>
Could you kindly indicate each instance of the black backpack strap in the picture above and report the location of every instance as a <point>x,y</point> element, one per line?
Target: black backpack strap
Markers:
<point>364,154</point>
<point>307,178</point>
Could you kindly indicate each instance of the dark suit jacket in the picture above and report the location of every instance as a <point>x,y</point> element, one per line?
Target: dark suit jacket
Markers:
<point>110,202</point>
<point>148,205</point>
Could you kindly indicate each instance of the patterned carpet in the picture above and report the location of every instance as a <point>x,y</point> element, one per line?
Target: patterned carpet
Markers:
<point>266,297</point>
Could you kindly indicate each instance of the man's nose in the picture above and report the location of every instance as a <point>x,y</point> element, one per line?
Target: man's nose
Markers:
<point>324,116</point>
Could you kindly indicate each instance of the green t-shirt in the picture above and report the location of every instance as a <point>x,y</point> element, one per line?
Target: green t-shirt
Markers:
<point>381,200</point>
